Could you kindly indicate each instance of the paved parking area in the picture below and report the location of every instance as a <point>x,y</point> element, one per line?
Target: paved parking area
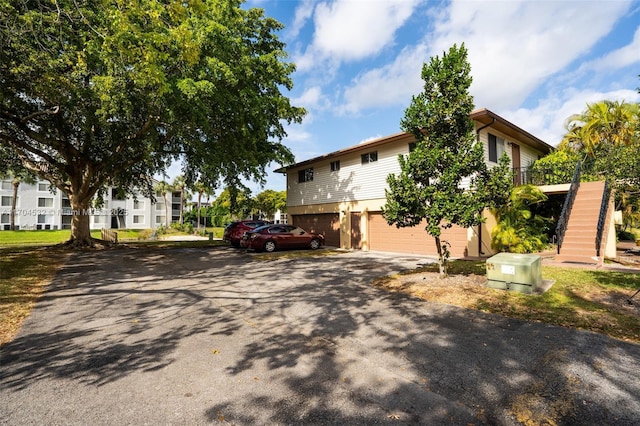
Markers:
<point>202,336</point>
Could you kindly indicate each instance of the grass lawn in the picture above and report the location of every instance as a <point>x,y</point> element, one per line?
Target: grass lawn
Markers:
<point>31,238</point>
<point>51,237</point>
<point>594,300</point>
<point>24,274</point>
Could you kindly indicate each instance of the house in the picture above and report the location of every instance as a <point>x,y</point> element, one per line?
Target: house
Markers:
<point>39,206</point>
<point>341,194</point>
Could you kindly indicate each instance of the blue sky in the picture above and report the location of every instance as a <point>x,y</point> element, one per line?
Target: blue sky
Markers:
<point>533,62</point>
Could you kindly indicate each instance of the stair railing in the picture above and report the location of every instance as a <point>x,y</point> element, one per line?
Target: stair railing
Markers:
<point>563,220</point>
<point>604,207</point>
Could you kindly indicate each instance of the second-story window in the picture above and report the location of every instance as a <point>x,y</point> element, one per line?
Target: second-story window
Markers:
<point>496,148</point>
<point>335,166</point>
<point>305,175</point>
<point>369,157</point>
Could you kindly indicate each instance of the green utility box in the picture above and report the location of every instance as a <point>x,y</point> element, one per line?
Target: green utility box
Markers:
<point>516,272</point>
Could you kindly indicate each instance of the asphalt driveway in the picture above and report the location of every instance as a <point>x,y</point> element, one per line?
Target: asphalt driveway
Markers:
<point>202,336</point>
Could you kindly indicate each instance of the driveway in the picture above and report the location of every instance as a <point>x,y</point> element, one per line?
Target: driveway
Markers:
<point>201,336</point>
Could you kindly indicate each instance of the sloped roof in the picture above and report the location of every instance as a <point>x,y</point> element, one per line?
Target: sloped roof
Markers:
<point>483,116</point>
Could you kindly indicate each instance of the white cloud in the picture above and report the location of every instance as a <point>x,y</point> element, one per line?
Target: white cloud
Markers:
<point>547,120</point>
<point>513,46</point>
<point>391,84</point>
<point>296,133</point>
<point>302,15</point>
<point>311,98</point>
<point>369,139</point>
<point>348,30</point>
<point>625,56</point>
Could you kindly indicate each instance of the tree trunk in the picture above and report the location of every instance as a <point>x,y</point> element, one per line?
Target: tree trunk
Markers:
<point>80,230</point>
<point>166,210</point>
<point>181,204</point>
<point>442,262</point>
<point>199,206</point>
<point>14,202</point>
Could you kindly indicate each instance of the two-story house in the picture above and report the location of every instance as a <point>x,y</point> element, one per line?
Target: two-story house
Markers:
<point>341,194</point>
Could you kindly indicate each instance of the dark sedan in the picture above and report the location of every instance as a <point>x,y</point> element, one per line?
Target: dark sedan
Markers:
<point>277,237</point>
<point>235,230</point>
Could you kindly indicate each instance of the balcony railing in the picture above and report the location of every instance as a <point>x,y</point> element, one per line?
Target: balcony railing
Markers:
<point>553,176</point>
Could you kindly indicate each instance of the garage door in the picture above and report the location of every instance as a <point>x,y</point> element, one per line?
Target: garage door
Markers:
<point>327,224</point>
<point>384,237</point>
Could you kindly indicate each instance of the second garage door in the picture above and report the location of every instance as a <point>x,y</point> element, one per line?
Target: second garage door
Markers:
<point>327,224</point>
<point>415,240</point>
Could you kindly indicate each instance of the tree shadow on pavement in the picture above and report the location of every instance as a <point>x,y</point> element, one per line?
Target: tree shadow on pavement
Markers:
<point>309,341</point>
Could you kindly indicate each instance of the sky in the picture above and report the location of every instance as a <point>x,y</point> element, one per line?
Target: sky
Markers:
<point>534,63</point>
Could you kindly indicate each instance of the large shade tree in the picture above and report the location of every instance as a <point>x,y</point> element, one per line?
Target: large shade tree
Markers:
<point>99,93</point>
<point>429,188</point>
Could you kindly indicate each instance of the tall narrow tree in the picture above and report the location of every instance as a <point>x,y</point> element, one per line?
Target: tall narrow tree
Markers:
<point>201,189</point>
<point>163,188</point>
<point>430,186</point>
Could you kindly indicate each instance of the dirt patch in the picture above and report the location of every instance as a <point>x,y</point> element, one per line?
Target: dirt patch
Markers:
<point>459,290</point>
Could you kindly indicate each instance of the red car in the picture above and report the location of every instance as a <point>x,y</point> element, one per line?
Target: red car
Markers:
<point>277,237</point>
<point>234,231</point>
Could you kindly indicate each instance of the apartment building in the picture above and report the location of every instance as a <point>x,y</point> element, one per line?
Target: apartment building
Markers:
<point>39,206</point>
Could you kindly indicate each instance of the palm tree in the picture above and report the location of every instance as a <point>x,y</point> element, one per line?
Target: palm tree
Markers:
<point>179,184</point>
<point>163,187</point>
<point>18,175</point>
<point>201,189</point>
<point>605,122</point>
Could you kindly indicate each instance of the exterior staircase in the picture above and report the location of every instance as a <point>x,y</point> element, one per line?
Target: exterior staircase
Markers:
<point>579,243</point>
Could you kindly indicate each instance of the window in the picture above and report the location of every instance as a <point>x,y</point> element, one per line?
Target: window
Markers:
<point>43,187</point>
<point>160,219</point>
<point>305,175</point>
<point>45,218</point>
<point>335,166</point>
<point>138,219</point>
<point>117,194</point>
<point>7,184</point>
<point>66,203</point>
<point>98,219</point>
<point>45,202</point>
<point>160,206</point>
<point>369,157</point>
<point>496,148</point>
<point>138,205</point>
<point>6,201</point>
<point>5,218</point>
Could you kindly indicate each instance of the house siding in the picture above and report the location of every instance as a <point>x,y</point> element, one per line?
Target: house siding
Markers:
<point>354,180</point>
<point>356,192</point>
<point>527,154</point>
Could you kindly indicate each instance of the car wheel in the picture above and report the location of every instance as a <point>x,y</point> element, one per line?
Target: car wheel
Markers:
<point>315,244</point>
<point>270,246</point>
